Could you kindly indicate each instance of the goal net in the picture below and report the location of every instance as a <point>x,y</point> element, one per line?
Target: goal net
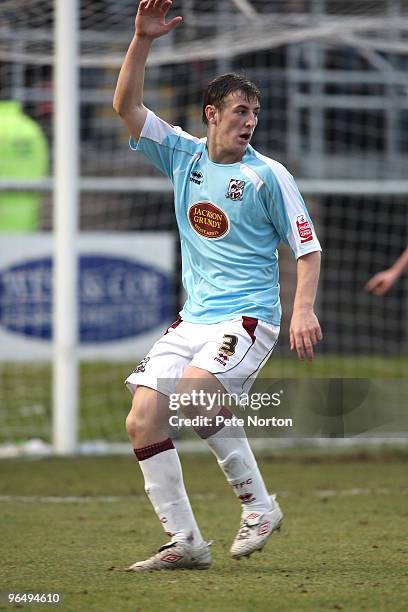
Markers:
<point>333,76</point>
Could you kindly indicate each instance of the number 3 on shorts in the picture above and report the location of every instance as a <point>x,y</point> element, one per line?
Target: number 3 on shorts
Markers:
<point>229,344</point>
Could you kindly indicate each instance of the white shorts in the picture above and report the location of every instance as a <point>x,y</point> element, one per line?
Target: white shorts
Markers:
<point>234,351</point>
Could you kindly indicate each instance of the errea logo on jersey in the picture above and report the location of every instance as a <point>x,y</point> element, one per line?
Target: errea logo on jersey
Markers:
<point>196,177</point>
<point>208,221</point>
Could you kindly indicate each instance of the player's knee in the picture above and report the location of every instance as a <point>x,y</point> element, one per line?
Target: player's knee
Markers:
<point>138,428</point>
<point>131,425</point>
<point>145,423</point>
<point>135,422</point>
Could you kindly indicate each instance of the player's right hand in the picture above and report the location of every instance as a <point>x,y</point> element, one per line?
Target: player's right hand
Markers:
<point>381,282</point>
<point>150,19</point>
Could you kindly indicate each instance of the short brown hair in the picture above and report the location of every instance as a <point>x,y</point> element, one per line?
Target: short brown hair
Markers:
<point>220,87</point>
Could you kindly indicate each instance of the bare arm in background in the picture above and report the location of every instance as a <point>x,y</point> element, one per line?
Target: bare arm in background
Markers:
<point>381,282</point>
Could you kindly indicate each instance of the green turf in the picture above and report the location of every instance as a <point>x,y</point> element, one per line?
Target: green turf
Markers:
<point>335,552</point>
<point>26,405</point>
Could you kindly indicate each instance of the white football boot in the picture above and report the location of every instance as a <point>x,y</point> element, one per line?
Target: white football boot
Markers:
<point>255,529</point>
<point>176,555</point>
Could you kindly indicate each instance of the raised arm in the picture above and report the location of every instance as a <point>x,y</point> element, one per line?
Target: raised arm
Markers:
<point>150,23</point>
<point>381,282</point>
<point>305,329</point>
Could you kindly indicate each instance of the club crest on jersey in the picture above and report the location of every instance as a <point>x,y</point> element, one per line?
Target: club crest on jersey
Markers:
<point>196,177</point>
<point>304,229</point>
<point>235,190</point>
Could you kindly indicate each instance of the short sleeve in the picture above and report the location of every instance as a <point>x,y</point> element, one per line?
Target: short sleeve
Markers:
<point>289,214</point>
<point>160,142</point>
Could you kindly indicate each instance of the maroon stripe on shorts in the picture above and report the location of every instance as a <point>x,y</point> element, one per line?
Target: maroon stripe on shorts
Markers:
<point>174,325</point>
<point>210,430</point>
<point>153,449</point>
<point>249,324</point>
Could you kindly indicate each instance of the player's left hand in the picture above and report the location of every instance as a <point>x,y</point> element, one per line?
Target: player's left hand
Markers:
<point>305,333</point>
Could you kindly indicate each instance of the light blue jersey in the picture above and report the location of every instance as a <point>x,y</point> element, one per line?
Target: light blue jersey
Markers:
<point>231,219</point>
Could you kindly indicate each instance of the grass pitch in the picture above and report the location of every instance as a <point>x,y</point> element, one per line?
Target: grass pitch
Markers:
<point>341,546</point>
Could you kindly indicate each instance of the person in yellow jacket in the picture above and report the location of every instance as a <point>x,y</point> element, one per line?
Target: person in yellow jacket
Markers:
<point>23,154</point>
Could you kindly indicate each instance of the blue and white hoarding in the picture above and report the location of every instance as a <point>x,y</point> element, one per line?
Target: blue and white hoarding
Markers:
<point>125,294</point>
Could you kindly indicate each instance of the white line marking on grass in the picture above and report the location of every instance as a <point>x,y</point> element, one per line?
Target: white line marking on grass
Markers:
<point>69,499</point>
<point>360,491</point>
<point>77,499</point>
<point>347,492</point>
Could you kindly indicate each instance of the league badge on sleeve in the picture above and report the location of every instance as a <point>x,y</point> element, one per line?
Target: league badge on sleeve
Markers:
<point>235,190</point>
<point>304,229</point>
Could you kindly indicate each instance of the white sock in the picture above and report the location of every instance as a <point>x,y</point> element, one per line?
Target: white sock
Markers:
<point>236,459</point>
<point>161,468</point>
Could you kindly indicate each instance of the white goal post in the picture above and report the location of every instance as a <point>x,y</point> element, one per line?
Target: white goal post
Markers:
<point>65,285</point>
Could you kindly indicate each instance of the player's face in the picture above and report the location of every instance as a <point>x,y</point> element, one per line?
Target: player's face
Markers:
<point>233,126</point>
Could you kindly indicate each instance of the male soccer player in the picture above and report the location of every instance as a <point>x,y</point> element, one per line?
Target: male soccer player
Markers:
<point>233,207</point>
<point>382,282</point>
